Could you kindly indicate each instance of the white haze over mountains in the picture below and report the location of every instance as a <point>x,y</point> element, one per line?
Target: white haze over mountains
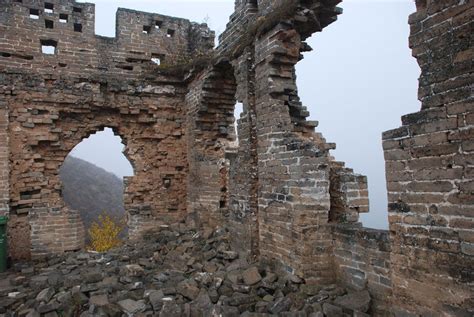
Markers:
<point>357,82</point>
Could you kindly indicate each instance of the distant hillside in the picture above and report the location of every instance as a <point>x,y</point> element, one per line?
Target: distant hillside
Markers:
<point>91,190</point>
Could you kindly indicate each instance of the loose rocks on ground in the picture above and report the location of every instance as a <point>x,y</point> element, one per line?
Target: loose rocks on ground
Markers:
<point>173,272</point>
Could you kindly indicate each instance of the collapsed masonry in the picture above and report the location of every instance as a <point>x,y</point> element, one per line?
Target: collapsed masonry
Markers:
<point>285,198</point>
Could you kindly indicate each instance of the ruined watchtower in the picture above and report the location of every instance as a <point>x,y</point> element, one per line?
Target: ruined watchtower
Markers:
<point>285,198</point>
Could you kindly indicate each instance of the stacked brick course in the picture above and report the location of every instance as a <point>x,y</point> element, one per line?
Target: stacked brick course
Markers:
<point>362,261</point>
<point>275,184</point>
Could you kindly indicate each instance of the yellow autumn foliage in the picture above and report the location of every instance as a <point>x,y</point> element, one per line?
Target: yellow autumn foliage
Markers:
<point>104,234</point>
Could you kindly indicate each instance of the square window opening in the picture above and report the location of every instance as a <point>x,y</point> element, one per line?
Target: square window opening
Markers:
<point>170,33</point>
<point>63,18</point>
<point>48,47</point>
<point>157,58</point>
<point>146,29</point>
<point>158,24</point>
<point>76,9</point>
<point>48,24</point>
<point>167,182</point>
<point>77,27</point>
<point>34,14</point>
<point>48,7</point>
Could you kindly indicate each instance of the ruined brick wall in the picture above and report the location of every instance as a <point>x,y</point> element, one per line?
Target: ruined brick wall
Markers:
<point>362,261</point>
<point>88,83</point>
<point>429,166</point>
<point>70,28</point>
<point>293,169</point>
<point>284,197</point>
<point>210,105</point>
<point>279,177</point>
<point>243,178</point>
<point>349,194</point>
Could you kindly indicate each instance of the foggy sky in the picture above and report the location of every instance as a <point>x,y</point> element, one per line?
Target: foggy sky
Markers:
<point>359,80</point>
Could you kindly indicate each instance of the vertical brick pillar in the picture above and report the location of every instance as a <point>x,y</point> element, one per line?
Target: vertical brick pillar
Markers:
<point>293,169</point>
<point>429,166</point>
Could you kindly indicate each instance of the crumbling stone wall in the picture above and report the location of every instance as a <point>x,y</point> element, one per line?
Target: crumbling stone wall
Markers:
<point>280,173</point>
<point>210,111</point>
<point>285,199</point>
<point>429,169</point>
<point>91,82</point>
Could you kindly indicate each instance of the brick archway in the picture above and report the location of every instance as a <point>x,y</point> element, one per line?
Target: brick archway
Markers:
<point>94,178</point>
<point>43,132</point>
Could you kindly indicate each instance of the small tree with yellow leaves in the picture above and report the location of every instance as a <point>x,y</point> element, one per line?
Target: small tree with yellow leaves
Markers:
<point>104,234</point>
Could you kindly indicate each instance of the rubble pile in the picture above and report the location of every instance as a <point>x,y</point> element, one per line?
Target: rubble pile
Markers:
<point>172,272</point>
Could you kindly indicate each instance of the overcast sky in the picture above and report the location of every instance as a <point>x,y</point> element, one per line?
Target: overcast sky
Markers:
<point>357,82</point>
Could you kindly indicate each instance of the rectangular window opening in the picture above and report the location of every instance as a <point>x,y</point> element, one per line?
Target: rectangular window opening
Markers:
<point>146,29</point>
<point>76,9</point>
<point>48,24</point>
<point>157,58</point>
<point>158,24</point>
<point>170,33</point>
<point>125,67</point>
<point>48,47</point>
<point>77,27</point>
<point>48,7</point>
<point>34,14</point>
<point>63,18</point>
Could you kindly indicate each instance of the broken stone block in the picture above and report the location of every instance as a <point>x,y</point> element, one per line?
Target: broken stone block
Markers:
<point>358,301</point>
<point>171,309</point>
<point>188,289</point>
<point>331,310</point>
<point>251,276</point>
<point>131,307</point>
<point>45,295</point>
<point>156,300</point>
<point>280,305</point>
<point>99,300</point>
<point>133,270</point>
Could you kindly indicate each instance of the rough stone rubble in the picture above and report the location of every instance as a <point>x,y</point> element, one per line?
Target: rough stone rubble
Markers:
<point>173,272</point>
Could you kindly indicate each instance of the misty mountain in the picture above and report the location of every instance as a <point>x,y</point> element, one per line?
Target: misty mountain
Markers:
<point>91,190</point>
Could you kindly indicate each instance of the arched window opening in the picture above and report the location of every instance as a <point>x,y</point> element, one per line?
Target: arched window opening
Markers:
<point>92,177</point>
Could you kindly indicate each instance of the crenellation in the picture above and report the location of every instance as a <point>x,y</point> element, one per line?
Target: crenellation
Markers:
<point>70,23</point>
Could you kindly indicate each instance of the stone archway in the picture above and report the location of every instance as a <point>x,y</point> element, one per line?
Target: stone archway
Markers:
<point>44,130</point>
<point>94,176</point>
